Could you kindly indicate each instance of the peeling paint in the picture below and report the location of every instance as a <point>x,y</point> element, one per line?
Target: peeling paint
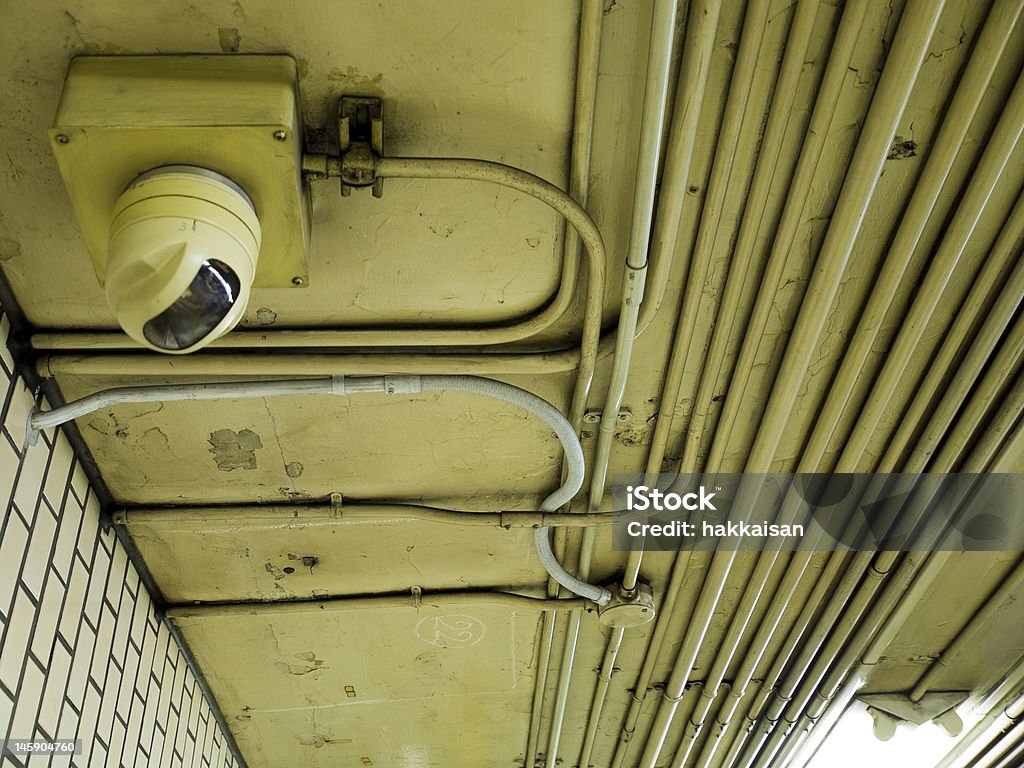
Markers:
<point>633,437</point>
<point>230,39</point>
<point>902,148</point>
<point>293,469</point>
<point>274,571</point>
<point>234,450</point>
<point>266,316</point>
<point>308,663</point>
<point>318,740</point>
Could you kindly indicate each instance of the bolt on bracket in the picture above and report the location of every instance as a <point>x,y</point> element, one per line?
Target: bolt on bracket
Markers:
<point>594,417</point>
<point>361,143</point>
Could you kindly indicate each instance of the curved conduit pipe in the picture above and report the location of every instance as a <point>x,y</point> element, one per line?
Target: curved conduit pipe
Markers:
<point>659,62</point>
<point>588,52</point>
<point>392,385</point>
<point>416,168</point>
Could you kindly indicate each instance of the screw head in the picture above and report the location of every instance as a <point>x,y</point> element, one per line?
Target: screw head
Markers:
<point>62,138</point>
<point>280,135</point>
<point>298,281</point>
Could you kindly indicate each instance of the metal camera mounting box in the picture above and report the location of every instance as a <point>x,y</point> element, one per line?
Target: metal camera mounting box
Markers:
<point>120,116</point>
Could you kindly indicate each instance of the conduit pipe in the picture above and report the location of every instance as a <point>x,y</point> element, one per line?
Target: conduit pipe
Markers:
<point>992,728</point>
<point>667,230</point>
<point>702,21</point>
<point>1011,727</point>
<point>659,62</point>
<point>836,72</point>
<point>421,168</point>
<point>699,51</point>
<point>810,740</point>
<point>992,41</point>
<point>909,48</point>
<point>984,452</point>
<point>584,107</point>
<point>269,517</point>
<point>878,629</point>
<point>754,25</point>
<point>950,405</point>
<point>341,385</point>
<point>977,75</point>
<point>995,602</point>
<point>308,364</point>
<point>887,616</point>
<point>989,170</point>
<point>1002,258</point>
<point>894,90</point>
<point>412,599</point>
<point>766,178</point>
<point>998,716</point>
<point>1013,759</point>
<point>744,75</point>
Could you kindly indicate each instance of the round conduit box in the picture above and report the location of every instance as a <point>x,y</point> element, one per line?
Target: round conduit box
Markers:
<point>626,610</point>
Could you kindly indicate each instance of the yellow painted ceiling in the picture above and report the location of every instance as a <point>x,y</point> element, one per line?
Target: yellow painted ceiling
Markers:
<point>836,242</point>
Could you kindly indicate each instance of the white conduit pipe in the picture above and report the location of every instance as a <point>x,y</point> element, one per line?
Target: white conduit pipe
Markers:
<point>481,170</point>
<point>659,62</point>
<point>695,65</point>
<point>701,24</point>
<point>392,385</point>
<point>40,420</point>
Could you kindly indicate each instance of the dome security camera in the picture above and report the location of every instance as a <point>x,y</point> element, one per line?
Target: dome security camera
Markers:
<point>184,244</point>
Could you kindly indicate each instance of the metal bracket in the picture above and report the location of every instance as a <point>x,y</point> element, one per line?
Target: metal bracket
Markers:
<point>361,142</point>
<point>594,417</point>
<point>337,502</point>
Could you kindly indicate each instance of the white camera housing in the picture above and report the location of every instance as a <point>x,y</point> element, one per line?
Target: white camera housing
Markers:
<point>182,255</point>
<point>237,114</point>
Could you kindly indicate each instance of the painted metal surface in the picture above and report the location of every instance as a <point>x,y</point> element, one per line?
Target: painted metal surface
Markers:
<point>928,226</point>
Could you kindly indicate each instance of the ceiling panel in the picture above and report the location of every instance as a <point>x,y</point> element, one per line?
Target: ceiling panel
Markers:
<point>839,290</point>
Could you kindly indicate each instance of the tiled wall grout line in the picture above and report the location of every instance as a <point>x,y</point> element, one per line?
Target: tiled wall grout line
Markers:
<point>82,652</point>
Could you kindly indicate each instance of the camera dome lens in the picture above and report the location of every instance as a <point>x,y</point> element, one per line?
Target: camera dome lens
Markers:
<point>165,289</point>
<point>206,301</point>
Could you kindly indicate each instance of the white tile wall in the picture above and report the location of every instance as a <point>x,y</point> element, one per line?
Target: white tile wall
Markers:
<point>82,654</point>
